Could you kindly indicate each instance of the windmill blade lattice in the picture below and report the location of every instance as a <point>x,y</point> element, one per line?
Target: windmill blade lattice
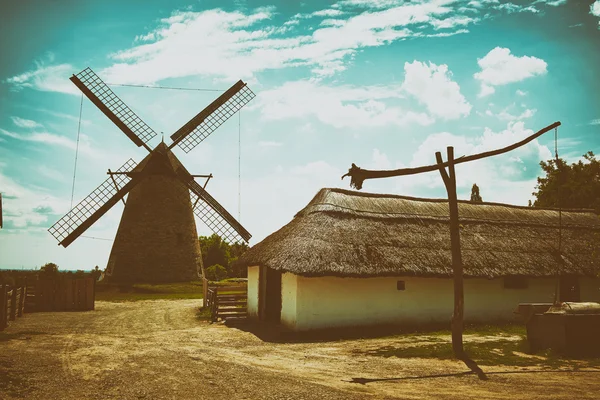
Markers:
<point>215,216</point>
<point>113,107</point>
<point>209,119</point>
<point>88,206</point>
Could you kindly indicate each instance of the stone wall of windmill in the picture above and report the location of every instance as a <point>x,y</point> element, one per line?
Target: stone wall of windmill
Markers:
<point>157,239</point>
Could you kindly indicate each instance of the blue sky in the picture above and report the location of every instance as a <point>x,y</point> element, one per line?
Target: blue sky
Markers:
<point>381,83</point>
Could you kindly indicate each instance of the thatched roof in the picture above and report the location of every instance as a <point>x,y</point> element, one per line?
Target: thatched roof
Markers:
<point>348,233</point>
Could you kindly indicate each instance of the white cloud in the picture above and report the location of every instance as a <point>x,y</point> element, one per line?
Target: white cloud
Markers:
<point>234,46</point>
<point>452,22</point>
<point>595,122</point>
<point>507,178</point>
<point>595,10</point>
<point>51,173</point>
<point>26,208</point>
<point>553,3</point>
<point>505,115</point>
<point>53,78</point>
<point>338,106</point>
<point>500,67</point>
<point>327,13</point>
<point>52,139</point>
<point>521,93</point>
<point>26,123</point>
<point>432,86</point>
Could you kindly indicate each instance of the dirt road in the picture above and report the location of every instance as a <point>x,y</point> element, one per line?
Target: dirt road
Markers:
<point>160,350</point>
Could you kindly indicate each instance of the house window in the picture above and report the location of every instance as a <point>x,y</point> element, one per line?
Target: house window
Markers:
<point>400,285</point>
<point>515,282</point>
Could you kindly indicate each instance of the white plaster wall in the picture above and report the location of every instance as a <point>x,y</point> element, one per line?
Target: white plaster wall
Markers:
<point>253,273</point>
<point>289,286</point>
<point>336,302</point>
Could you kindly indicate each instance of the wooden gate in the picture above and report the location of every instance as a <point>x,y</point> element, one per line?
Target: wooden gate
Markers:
<point>63,295</point>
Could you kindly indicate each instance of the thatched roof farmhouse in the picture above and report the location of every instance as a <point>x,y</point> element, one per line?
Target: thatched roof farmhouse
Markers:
<point>366,237</point>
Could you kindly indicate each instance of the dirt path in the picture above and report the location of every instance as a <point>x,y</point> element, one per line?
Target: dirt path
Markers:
<point>159,350</point>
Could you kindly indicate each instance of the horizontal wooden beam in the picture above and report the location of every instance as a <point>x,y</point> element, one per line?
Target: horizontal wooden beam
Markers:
<point>358,174</point>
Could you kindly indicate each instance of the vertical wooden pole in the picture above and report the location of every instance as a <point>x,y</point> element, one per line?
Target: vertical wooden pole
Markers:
<point>13,304</point>
<point>2,307</point>
<point>457,323</point>
<point>23,298</point>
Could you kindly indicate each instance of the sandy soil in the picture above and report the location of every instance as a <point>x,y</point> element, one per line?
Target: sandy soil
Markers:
<point>160,350</point>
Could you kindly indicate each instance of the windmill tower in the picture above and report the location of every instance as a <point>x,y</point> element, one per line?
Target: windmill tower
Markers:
<point>157,239</point>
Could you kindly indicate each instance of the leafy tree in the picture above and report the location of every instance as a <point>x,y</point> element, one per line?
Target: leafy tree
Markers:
<point>215,251</point>
<point>216,272</point>
<point>569,186</point>
<point>475,197</point>
<point>49,269</point>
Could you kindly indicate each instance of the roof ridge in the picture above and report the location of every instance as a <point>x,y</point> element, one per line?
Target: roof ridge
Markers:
<point>439,200</point>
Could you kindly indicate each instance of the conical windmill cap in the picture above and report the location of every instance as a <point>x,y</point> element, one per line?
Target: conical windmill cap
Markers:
<point>161,160</point>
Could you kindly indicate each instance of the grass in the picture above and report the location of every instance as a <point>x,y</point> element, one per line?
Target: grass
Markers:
<point>493,345</point>
<point>146,291</point>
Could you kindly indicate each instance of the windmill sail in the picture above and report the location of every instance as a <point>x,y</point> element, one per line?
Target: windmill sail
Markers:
<point>96,204</point>
<point>113,107</point>
<point>214,215</point>
<point>209,119</point>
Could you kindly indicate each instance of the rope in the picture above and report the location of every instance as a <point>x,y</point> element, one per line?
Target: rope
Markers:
<point>97,238</point>
<point>558,190</point>
<point>559,214</point>
<point>76,152</point>
<point>240,166</point>
<point>167,87</point>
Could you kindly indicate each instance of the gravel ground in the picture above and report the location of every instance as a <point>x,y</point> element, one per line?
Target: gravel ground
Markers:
<point>160,350</point>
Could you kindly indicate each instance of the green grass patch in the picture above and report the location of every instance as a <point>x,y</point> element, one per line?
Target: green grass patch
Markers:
<point>146,291</point>
<point>492,345</point>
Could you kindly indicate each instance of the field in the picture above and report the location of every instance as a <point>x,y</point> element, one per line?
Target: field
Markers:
<point>163,349</point>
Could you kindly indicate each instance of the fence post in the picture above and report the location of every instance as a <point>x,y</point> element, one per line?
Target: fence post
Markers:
<point>21,305</point>
<point>13,304</point>
<point>204,291</point>
<point>2,307</point>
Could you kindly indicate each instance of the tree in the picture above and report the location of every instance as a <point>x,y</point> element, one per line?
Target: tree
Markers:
<point>475,197</point>
<point>569,186</point>
<point>215,251</point>
<point>216,272</point>
<point>49,269</point>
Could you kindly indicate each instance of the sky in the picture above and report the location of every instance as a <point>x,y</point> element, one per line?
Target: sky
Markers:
<point>383,84</point>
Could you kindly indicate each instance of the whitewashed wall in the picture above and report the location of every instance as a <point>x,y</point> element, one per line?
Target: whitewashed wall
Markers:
<point>289,298</point>
<point>253,292</point>
<point>326,302</point>
<point>336,302</point>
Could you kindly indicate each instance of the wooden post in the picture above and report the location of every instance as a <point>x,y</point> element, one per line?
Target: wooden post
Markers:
<point>22,302</point>
<point>3,307</point>
<point>457,323</point>
<point>13,304</point>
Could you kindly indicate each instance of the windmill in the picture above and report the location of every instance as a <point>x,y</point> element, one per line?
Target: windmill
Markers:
<point>157,239</point>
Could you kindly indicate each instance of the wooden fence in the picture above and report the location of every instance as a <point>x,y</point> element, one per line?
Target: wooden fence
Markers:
<point>12,303</point>
<point>63,295</point>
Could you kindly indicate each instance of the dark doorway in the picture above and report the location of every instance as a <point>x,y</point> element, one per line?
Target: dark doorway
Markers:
<point>569,288</point>
<point>272,303</point>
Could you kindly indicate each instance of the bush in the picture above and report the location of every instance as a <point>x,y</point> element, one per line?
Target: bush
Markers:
<point>216,272</point>
<point>48,271</point>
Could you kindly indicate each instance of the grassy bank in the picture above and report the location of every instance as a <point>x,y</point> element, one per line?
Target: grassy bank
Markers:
<point>146,291</point>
